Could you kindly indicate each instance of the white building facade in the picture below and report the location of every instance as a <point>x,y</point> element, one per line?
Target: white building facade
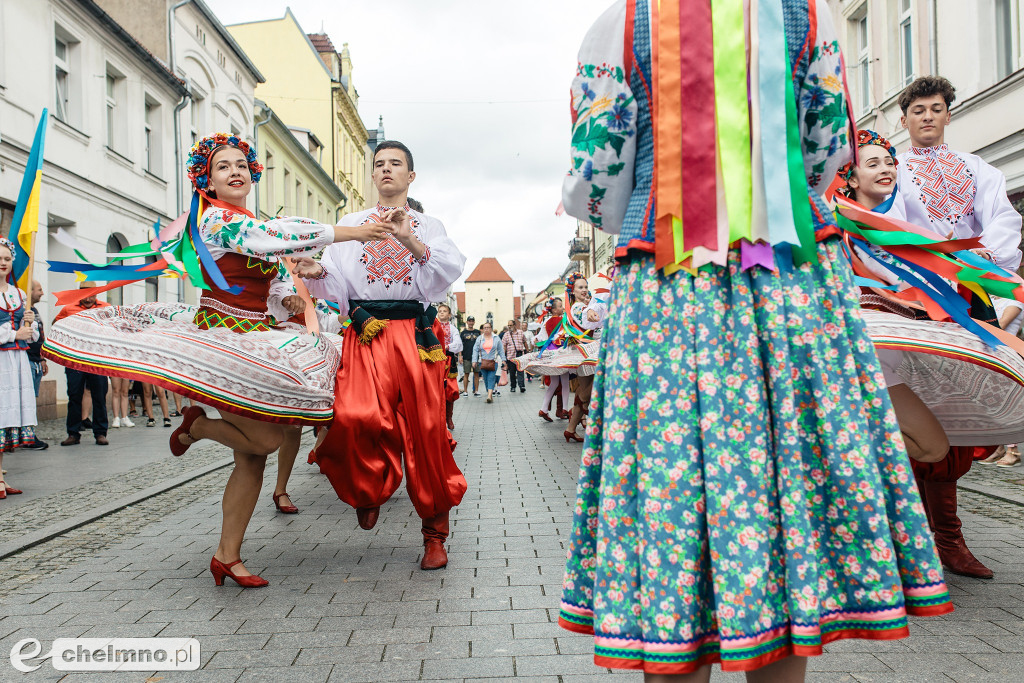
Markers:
<point>976,45</point>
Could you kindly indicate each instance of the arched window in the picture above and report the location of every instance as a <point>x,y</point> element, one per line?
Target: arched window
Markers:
<point>115,243</point>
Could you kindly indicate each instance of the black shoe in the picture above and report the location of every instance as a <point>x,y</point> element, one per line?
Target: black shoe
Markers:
<point>150,422</point>
<point>37,445</point>
<point>167,422</point>
<point>522,390</point>
<point>86,423</point>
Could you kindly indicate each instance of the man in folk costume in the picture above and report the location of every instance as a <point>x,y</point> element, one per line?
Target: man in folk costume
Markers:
<point>960,195</point>
<point>389,407</point>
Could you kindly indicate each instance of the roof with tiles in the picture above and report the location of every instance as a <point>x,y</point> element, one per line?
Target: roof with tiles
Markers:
<point>489,270</point>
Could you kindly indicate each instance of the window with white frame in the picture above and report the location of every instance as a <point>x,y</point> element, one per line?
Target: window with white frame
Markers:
<point>66,104</point>
<point>153,131</point>
<point>197,116</point>
<point>906,33</point>
<point>115,93</point>
<point>857,29</point>
<point>1007,36</point>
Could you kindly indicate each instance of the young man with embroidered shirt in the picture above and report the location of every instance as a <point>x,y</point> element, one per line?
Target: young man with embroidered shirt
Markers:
<point>959,195</point>
<point>389,398</point>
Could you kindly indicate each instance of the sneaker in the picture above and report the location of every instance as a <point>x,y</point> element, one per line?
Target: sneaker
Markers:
<point>125,422</point>
<point>150,422</point>
<point>465,393</point>
<point>37,445</point>
<point>167,422</point>
<point>476,393</point>
<point>116,424</point>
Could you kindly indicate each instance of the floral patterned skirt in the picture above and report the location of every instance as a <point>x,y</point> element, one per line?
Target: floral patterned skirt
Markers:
<point>13,437</point>
<point>744,493</point>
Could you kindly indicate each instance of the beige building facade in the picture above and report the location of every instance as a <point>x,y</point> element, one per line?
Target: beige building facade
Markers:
<point>490,294</point>
<point>976,44</point>
<point>309,86</point>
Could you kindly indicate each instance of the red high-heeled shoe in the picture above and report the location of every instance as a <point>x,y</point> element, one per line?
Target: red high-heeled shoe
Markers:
<point>220,570</point>
<point>191,414</point>
<point>541,413</point>
<point>572,436</point>
<point>287,509</point>
<point>563,414</point>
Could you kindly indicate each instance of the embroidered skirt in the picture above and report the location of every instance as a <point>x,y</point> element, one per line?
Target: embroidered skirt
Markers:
<point>285,376</point>
<point>579,359</point>
<point>975,391</point>
<point>744,493</point>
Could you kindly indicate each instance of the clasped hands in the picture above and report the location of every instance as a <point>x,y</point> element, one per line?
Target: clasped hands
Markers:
<point>396,222</point>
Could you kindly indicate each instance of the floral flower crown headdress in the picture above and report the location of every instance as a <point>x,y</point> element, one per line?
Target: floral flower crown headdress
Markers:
<point>570,282</point>
<point>198,162</point>
<point>864,138</point>
<point>4,242</point>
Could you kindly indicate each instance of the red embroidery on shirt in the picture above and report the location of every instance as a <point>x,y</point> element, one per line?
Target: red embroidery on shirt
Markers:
<point>387,261</point>
<point>946,184</point>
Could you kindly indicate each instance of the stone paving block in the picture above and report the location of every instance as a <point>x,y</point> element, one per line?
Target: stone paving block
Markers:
<point>951,664</point>
<point>281,656</point>
<point>565,665</point>
<point>403,607</point>
<point>518,616</point>
<point>959,644</point>
<point>338,624</point>
<point>338,654</point>
<point>476,667</point>
<point>448,649</point>
<point>502,632</point>
<point>148,630</point>
<point>392,635</point>
<point>1010,666</point>
<point>434,619</point>
<point>260,624</point>
<point>516,648</point>
<point>902,677</point>
<point>842,661</point>
<point>374,672</point>
<point>299,674</point>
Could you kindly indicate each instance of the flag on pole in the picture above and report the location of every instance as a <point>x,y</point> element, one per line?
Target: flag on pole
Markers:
<point>26,212</point>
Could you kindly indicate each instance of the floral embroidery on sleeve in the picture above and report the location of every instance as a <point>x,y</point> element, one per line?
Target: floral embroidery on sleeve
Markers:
<point>823,115</point>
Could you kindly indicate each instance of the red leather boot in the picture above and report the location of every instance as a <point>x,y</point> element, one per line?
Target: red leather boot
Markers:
<point>949,539</point>
<point>435,533</point>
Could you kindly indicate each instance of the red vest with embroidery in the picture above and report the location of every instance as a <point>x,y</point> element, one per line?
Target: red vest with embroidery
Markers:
<point>242,312</point>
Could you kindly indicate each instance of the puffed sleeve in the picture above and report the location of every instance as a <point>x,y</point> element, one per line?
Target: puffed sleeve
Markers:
<point>282,286</point>
<point>822,107</point>
<point>597,307</point>
<point>456,344</point>
<point>1000,223</point>
<point>332,285</point>
<point>7,333</point>
<point>604,114</point>
<point>235,232</point>
<point>328,319</point>
<point>441,264</point>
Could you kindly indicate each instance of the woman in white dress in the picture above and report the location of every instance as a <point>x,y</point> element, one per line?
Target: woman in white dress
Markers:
<point>17,393</point>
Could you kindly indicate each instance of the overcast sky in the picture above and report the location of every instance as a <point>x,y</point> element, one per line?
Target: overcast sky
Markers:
<point>480,93</point>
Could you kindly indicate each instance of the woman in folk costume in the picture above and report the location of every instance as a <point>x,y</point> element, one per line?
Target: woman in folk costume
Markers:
<point>18,329</point>
<point>953,380</point>
<point>225,353</point>
<point>452,343</point>
<point>558,385</point>
<point>566,350</point>
<point>591,319</point>
<point>744,495</point>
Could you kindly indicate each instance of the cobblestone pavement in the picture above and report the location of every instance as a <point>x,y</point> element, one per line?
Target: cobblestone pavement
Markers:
<point>352,605</point>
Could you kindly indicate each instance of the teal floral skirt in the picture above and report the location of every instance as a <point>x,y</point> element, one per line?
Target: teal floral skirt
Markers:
<point>744,493</point>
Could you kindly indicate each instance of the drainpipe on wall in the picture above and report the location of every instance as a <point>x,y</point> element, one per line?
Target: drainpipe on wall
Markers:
<point>267,113</point>
<point>179,205</point>
<point>933,38</point>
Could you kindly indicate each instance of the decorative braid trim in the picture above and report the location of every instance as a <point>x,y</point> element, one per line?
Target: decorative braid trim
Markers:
<point>426,256</point>
<point>220,306</point>
<point>206,320</point>
<point>321,276</point>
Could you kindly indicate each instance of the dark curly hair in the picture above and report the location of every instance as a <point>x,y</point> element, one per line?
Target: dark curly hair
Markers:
<point>926,86</point>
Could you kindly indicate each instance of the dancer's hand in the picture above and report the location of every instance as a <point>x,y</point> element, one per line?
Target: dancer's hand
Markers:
<point>294,304</point>
<point>307,268</point>
<point>592,316</point>
<point>983,253</point>
<point>401,227</point>
<point>29,318</point>
<point>370,232</point>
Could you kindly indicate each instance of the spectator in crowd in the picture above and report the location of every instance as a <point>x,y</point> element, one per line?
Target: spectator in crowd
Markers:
<point>488,358</point>
<point>531,343</point>
<point>469,337</point>
<point>36,362</point>
<point>78,381</point>
<point>147,404</point>
<point>514,343</point>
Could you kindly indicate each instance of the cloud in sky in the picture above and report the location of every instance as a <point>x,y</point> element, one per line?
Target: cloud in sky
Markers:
<point>480,93</point>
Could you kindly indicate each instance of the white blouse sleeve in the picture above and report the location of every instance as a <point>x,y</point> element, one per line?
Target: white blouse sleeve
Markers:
<point>7,333</point>
<point>456,344</point>
<point>602,313</point>
<point>332,285</point>
<point>329,320</point>
<point>1000,223</point>
<point>282,286</point>
<point>235,232</point>
<point>441,264</point>
<point>604,113</point>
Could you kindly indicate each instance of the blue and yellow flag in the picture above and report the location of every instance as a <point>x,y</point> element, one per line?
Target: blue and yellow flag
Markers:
<point>26,212</point>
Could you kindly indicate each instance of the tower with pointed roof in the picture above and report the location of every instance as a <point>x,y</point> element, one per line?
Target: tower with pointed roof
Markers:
<point>490,294</point>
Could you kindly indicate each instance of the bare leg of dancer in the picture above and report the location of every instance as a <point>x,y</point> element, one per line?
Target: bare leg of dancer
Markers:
<point>584,385</point>
<point>285,462</point>
<point>240,494</point>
